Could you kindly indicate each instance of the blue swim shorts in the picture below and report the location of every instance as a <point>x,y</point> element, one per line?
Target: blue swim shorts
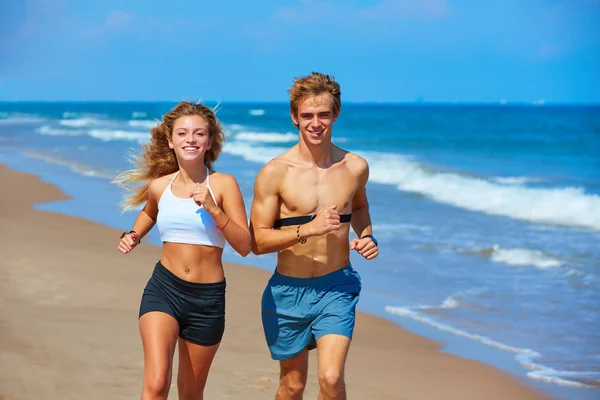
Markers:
<point>296,312</point>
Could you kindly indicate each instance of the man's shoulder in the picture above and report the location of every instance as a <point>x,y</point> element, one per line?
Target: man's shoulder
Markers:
<point>275,170</point>
<point>354,161</point>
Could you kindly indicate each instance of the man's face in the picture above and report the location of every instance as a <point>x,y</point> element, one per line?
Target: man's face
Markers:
<point>315,118</point>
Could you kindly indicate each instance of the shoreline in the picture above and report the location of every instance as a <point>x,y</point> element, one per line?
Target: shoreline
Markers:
<point>84,307</point>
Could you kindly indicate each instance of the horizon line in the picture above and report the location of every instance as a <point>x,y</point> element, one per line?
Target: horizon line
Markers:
<point>500,103</point>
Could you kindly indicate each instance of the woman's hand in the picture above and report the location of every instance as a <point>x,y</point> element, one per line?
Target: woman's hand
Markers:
<point>203,198</point>
<point>128,242</point>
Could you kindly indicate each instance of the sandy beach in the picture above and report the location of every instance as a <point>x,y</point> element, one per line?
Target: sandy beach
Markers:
<point>68,326</point>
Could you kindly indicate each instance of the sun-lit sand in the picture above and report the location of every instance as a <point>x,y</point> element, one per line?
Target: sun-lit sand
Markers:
<point>68,325</point>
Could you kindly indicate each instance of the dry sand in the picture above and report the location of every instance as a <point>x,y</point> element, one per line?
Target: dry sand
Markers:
<point>68,325</point>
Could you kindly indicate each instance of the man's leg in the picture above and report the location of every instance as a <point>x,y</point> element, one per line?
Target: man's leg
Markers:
<point>332,351</point>
<point>292,377</point>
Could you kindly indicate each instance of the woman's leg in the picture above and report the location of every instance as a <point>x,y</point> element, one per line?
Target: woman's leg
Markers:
<point>159,333</point>
<point>194,364</point>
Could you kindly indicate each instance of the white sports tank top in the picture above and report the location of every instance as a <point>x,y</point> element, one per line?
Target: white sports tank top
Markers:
<point>183,221</point>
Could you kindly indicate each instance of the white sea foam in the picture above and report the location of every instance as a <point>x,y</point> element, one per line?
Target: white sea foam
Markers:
<point>79,122</point>
<point>254,154</point>
<point>235,127</point>
<point>79,168</point>
<point>48,130</point>
<point>142,123</point>
<point>514,180</point>
<point>523,356</point>
<point>394,228</point>
<point>102,134</point>
<point>266,137</point>
<point>524,257</point>
<point>257,112</point>
<point>569,206</point>
<point>138,114</point>
<point>19,118</point>
<point>109,135</point>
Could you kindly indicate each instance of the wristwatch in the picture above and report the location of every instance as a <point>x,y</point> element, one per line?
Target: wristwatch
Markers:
<point>129,233</point>
<point>372,238</point>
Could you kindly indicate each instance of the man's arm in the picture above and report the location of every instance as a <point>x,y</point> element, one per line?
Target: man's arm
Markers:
<point>265,207</point>
<point>361,218</point>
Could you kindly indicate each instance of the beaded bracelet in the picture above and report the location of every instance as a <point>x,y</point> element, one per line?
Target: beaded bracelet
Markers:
<point>302,241</point>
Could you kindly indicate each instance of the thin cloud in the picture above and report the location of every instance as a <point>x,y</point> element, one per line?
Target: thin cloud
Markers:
<point>116,21</point>
<point>549,51</point>
<point>385,10</point>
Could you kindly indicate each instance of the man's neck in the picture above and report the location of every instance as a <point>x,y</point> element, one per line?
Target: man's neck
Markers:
<point>319,155</point>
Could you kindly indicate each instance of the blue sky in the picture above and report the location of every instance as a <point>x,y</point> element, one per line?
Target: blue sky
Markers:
<point>380,50</point>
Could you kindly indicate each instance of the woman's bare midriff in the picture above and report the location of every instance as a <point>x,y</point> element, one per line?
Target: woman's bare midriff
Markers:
<point>202,263</point>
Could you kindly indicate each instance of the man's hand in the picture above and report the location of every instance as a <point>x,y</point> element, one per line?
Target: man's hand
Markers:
<point>326,221</point>
<point>365,247</point>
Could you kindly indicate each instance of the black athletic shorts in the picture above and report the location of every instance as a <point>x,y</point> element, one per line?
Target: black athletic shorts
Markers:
<point>199,308</point>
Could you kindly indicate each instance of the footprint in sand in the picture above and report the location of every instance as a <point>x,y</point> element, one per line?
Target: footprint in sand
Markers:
<point>264,383</point>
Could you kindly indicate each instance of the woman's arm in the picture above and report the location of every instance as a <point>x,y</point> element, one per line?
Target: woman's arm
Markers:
<point>143,223</point>
<point>231,218</point>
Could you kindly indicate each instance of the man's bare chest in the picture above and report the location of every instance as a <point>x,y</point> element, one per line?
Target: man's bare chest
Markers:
<point>306,193</point>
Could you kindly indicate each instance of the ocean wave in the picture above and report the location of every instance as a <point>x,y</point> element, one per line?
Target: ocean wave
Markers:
<point>257,112</point>
<point>142,123</point>
<point>19,118</point>
<point>50,131</point>
<point>105,135</point>
<point>538,205</point>
<point>79,168</point>
<point>138,114</point>
<point>383,227</point>
<point>515,180</point>
<point>79,122</point>
<point>266,137</point>
<point>519,257</point>
<point>253,154</point>
<point>109,135</point>
<point>235,127</point>
<point>524,356</point>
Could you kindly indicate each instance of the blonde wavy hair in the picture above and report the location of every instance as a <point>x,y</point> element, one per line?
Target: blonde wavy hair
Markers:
<point>314,84</point>
<point>157,159</point>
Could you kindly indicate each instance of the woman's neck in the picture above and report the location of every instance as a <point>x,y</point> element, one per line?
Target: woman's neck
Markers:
<point>192,176</point>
